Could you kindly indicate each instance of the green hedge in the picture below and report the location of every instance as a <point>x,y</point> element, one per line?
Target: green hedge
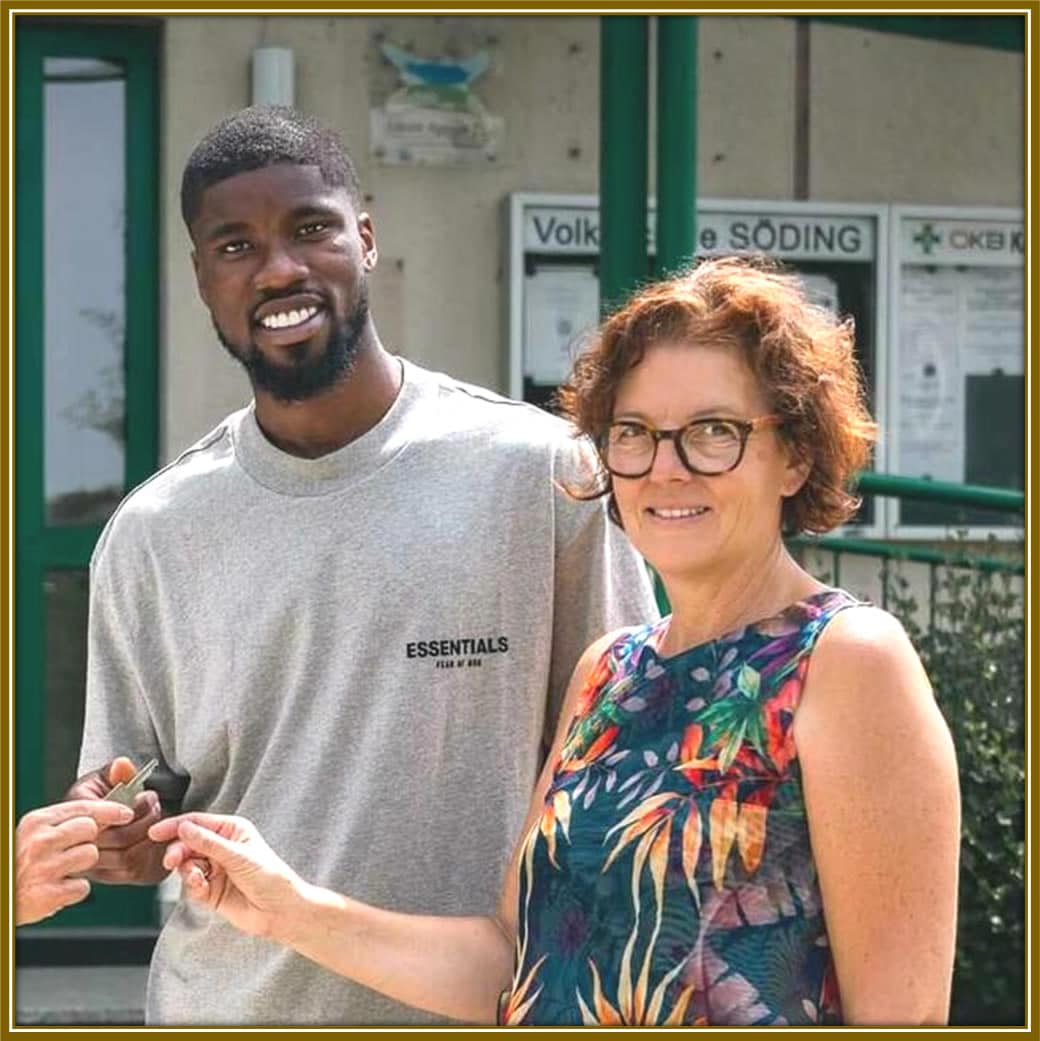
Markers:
<point>974,652</point>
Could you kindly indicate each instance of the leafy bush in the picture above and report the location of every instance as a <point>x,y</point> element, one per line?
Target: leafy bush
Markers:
<point>974,652</point>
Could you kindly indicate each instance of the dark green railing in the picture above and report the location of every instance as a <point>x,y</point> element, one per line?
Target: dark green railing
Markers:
<point>1004,500</point>
<point>1000,500</point>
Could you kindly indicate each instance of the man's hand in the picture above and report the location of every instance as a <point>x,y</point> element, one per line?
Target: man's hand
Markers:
<point>127,855</point>
<point>225,864</point>
<point>53,846</point>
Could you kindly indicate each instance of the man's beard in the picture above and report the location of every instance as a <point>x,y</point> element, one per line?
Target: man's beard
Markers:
<point>298,381</point>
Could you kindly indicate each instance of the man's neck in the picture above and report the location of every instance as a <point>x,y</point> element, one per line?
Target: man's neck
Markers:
<point>319,425</point>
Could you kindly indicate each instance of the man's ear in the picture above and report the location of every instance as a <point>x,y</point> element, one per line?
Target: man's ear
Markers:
<point>369,250</point>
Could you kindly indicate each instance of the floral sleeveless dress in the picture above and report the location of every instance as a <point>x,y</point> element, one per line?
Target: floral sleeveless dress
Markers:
<point>670,879</point>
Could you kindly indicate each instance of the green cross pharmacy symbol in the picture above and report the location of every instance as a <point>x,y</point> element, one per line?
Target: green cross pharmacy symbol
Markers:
<point>927,238</point>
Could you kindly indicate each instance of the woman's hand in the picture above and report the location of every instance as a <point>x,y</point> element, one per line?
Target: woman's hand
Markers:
<point>225,864</point>
<point>452,966</point>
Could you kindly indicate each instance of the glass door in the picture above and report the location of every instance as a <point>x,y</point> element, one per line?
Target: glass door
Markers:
<point>86,410</point>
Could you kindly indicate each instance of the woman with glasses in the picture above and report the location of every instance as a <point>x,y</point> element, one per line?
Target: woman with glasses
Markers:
<point>750,814</point>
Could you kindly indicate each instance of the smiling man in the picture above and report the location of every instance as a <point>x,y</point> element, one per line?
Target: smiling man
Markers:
<point>350,611</point>
<point>282,254</point>
<point>294,345</point>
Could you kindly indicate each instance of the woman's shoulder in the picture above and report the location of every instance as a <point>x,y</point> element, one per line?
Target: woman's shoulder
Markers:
<point>865,677</point>
<point>860,635</point>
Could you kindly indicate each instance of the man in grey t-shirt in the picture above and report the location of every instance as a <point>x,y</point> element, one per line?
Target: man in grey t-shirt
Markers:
<point>350,611</point>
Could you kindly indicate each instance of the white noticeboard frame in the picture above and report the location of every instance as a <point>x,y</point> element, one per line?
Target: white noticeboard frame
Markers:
<point>562,226</point>
<point>953,276</point>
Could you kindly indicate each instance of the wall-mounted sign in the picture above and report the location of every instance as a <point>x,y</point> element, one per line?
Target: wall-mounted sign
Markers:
<point>981,243</point>
<point>434,116</point>
<point>958,345</point>
<point>555,243</point>
<point>574,230</point>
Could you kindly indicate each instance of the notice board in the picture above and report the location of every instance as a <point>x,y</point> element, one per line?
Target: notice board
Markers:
<point>957,390</point>
<point>839,250</point>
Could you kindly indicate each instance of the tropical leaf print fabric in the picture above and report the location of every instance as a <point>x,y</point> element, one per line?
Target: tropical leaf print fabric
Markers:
<point>670,879</point>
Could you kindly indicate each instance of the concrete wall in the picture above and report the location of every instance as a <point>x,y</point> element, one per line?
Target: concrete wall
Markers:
<point>898,119</point>
<point>891,119</point>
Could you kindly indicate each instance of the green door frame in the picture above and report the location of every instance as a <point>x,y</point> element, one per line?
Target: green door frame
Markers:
<point>38,547</point>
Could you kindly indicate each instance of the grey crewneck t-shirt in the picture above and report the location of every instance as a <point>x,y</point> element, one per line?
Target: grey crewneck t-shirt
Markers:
<point>361,653</point>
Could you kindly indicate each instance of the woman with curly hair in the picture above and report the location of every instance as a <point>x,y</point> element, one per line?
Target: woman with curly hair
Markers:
<point>750,814</point>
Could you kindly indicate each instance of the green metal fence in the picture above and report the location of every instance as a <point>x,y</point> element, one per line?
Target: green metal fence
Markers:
<point>1000,558</point>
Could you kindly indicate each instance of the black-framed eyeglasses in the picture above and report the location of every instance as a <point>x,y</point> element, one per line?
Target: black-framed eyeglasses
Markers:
<point>710,446</point>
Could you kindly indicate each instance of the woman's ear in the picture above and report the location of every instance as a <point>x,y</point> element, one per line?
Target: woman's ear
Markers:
<point>796,472</point>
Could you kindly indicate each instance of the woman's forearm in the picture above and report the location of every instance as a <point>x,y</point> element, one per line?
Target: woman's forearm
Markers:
<point>454,967</point>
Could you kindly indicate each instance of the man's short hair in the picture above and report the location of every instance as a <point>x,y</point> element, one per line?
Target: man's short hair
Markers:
<point>265,135</point>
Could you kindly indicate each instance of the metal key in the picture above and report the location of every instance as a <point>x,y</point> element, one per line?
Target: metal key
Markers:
<point>126,793</point>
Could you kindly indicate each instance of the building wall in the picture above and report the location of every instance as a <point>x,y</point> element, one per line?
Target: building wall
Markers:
<point>892,119</point>
<point>897,119</point>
